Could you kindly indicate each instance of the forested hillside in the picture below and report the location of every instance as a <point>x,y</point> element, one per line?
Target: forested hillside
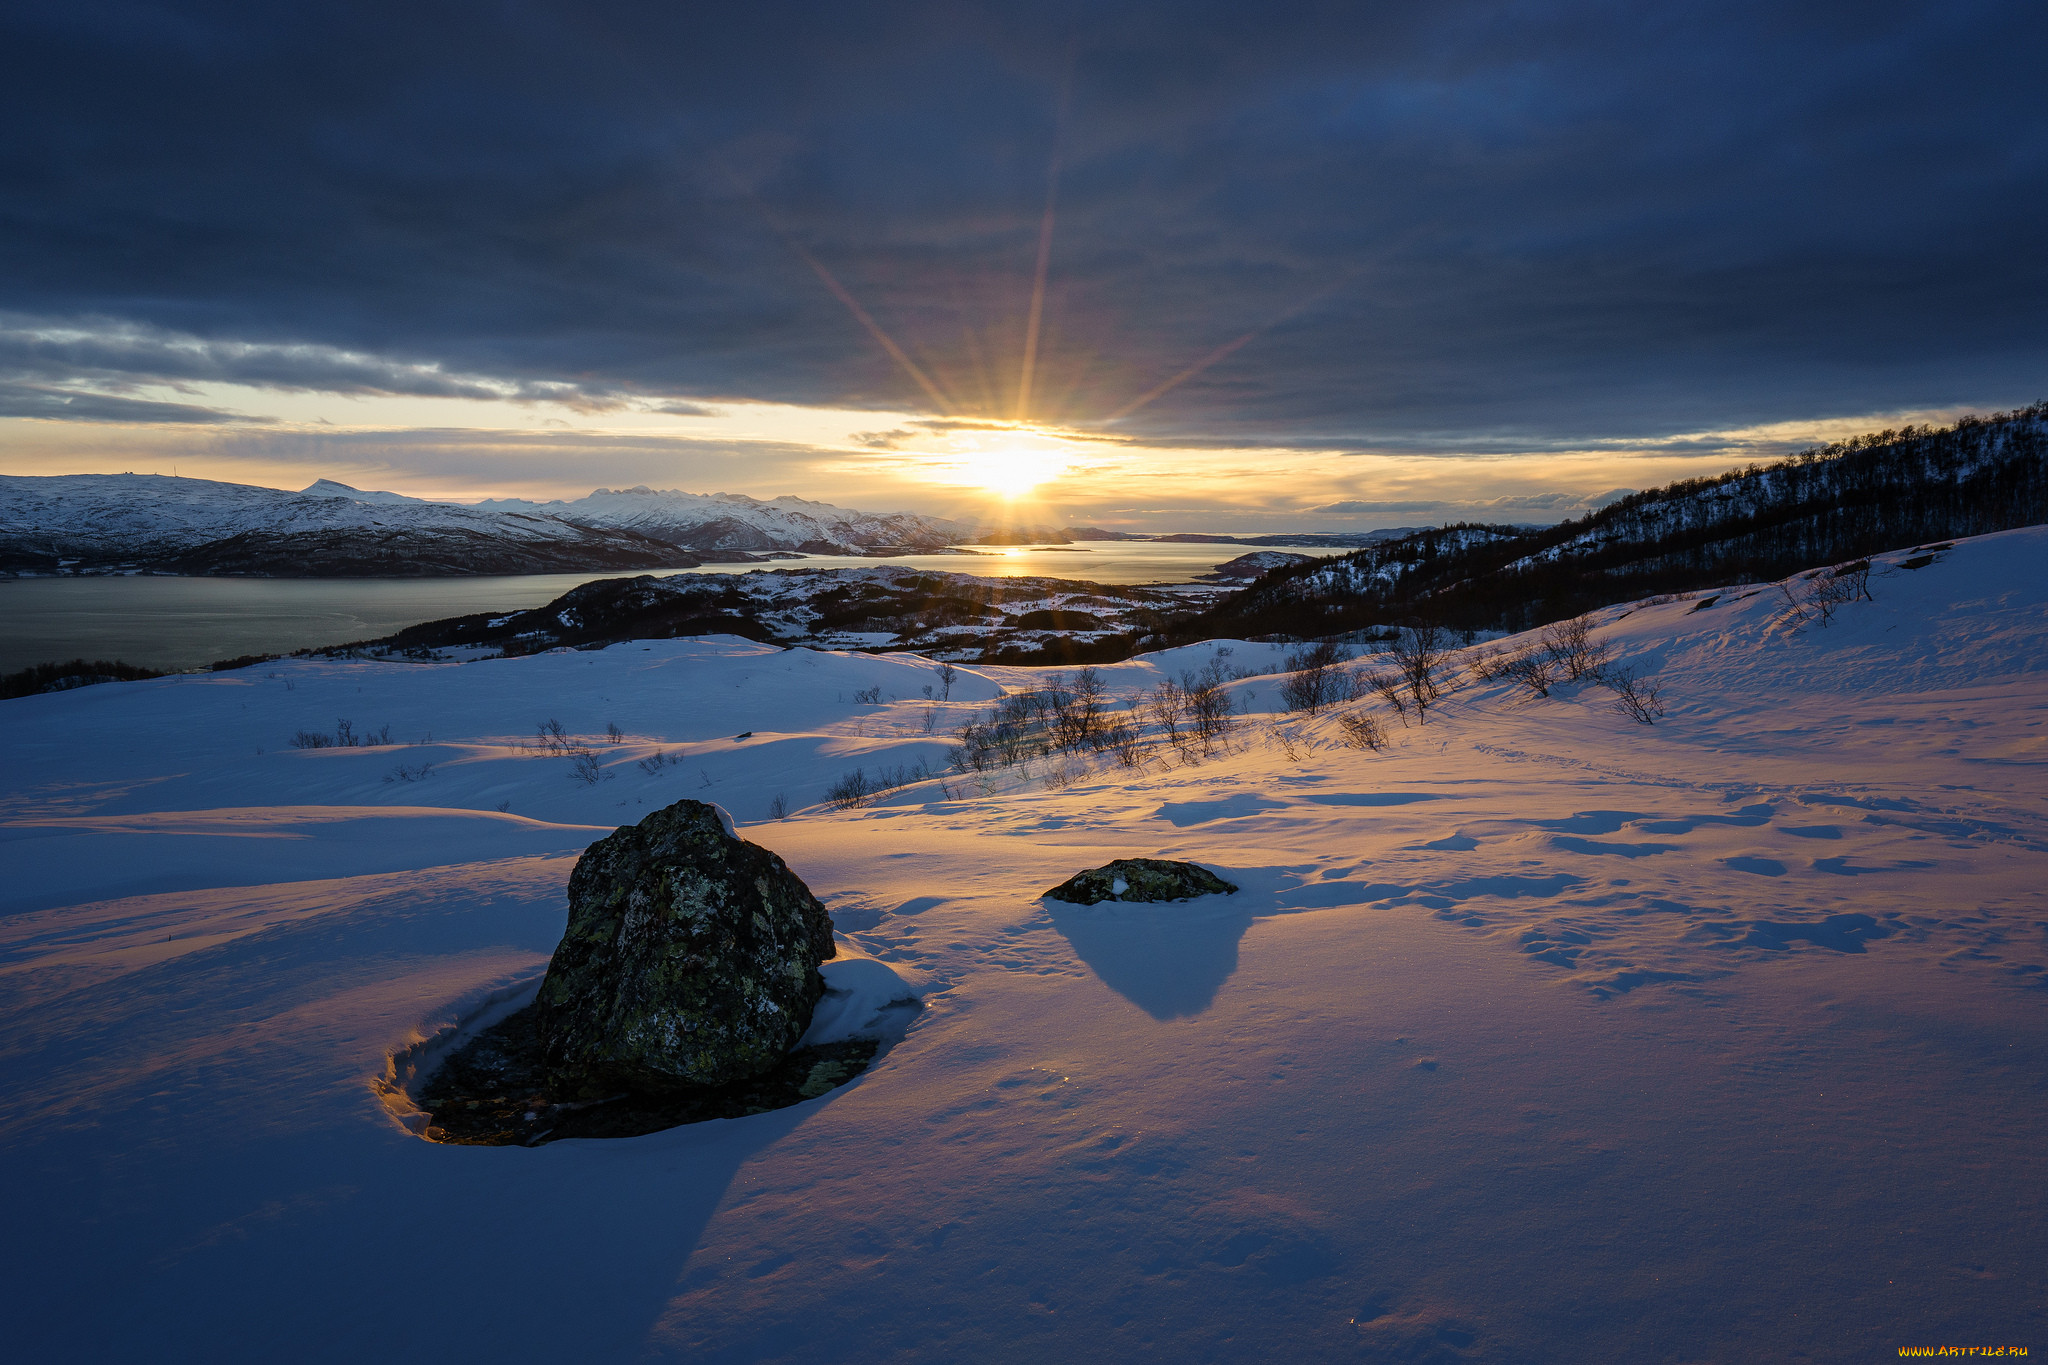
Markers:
<point>1886,490</point>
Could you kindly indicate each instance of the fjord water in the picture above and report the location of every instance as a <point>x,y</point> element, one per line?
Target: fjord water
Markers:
<point>177,623</point>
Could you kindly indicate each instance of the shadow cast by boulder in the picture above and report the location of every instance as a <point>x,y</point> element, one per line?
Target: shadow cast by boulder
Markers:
<point>1167,959</point>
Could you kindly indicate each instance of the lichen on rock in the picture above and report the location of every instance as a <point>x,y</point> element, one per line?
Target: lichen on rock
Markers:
<point>1140,879</point>
<point>690,959</point>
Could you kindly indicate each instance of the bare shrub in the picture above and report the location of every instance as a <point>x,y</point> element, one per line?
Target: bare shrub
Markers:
<point>1533,670</point>
<point>869,696</point>
<point>1124,741</point>
<point>1362,731</point>
<point>1289,742</point>
<point>850,791</point>
<point>551,738</point>
<point>858,787</point>
<point>1210,714</point>
<point>345,736</point>
<point>1315,677</point>
<point>778,807</point>
<point>1633,696</point>
<point>1814,597</point>
<point>613,732</point>
<point>1167,705</point>
<point>1071,710</point>
<point>931,719</point>
<point>1423,656</point>
<point>946,675</point>
<point>1570,649</point>
<point>656,761</point>
<point>409,772</point>
<point>1387,687</point>
<point>585,768</point>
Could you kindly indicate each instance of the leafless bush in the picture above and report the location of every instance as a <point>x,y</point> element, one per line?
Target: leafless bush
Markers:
<point>551,738</point>
<point>1571,651</point>
<point>1633,696</point>
<point>1167,705</point>
<point>850,791</point>
<point>1125,742</point>
<point>1289,742</point>
<point>1362,731</point>
<point>613,733</point>
<point>409,772</point>
<point>778,807</point>
<point>1387,687</point>
<point>1423,656</point>
<point>1315,677</point>
<point>656,761</point>
<point>345,736</point>
<point>946,675</point>
<point>869,696</point>
<point>1813,598</point>
<point>857,788</point>
<point>1076,709</point>
<point>1209,710</point>
<point>585,768</point>
<point>1534,670</point>
<point>931,719</point>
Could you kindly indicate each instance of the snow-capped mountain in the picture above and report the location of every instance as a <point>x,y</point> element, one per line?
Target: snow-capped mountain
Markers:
<point>328,488</point>
<point>733,521</point>
<point>92,523</point>
<point>102,522</point>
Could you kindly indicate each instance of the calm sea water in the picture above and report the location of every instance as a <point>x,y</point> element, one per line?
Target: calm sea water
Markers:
<point>173,623</point>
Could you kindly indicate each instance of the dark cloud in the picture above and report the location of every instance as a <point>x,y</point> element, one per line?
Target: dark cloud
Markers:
<point>1454,222</point>
<point>76,405</point>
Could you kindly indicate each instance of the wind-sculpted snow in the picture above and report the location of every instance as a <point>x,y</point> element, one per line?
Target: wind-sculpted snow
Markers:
<point>1538,1034</point>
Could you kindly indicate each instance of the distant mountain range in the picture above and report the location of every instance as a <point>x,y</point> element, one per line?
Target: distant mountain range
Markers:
<point>711,523</point>
<point>116,523</point>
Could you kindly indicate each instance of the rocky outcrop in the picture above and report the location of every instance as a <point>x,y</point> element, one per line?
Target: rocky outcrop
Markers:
<point>1140,879</point>
<point>691,959</point>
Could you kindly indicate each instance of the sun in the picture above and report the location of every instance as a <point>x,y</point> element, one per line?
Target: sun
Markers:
<point>1009,471</point>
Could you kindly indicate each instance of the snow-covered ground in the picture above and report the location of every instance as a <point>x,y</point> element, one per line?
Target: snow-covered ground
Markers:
<point>1542,1035</point>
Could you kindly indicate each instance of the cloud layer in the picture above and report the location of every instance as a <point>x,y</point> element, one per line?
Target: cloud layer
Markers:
<point>1447,225</point>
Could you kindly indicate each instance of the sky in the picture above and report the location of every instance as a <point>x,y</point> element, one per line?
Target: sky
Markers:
<point>1142,265</point>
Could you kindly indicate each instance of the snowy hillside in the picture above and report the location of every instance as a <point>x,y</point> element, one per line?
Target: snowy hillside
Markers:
<point>109,522</point>
<point>733,521</point>
<point>1540,1034</point>
<point>1830,503</point>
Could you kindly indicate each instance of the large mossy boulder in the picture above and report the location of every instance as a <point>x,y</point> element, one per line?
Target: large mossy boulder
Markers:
<point>691,959</point>
<point>1140,879</point>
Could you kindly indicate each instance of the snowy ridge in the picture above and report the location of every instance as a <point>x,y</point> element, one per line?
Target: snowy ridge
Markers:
<point>733,521</point>
<point>100,522</point>
<point>1834,503</point>
<point>152,520</point>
